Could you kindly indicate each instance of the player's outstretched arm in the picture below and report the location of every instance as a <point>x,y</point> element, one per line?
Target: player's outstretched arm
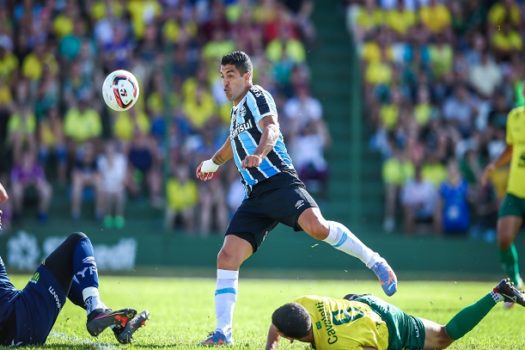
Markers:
<point>273,338</point>
<point>504,158</point>
<point>269,137</point>
<point>206,169</point>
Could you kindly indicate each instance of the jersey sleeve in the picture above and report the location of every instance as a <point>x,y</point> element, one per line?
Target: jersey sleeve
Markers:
<point>261,104</point>
<point>509,139</point>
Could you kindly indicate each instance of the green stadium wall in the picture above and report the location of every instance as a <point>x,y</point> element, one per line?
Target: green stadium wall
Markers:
<point>283,254</point>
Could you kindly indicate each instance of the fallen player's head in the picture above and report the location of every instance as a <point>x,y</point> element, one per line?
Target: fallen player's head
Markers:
<point>292,321</point>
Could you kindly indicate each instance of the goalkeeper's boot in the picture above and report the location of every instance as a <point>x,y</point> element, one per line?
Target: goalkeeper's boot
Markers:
<point>100,319</point>
<point>124,334</point>
<point>386,276</point>
<point>216,338</point>
<point>509,293</point>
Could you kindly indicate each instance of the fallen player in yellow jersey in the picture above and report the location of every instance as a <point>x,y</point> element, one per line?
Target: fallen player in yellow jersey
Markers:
<point>366,322</point>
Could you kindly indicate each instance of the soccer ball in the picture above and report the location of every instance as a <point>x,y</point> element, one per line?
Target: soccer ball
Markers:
<point>120,90</point>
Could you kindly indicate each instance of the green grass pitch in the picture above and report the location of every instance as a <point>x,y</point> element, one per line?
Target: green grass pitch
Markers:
<point>182,311</point>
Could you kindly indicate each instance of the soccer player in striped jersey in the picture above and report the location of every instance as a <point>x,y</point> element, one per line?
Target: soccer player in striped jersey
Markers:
<point>364,322</point>
<point>274,193</point>
<point>512,209</point>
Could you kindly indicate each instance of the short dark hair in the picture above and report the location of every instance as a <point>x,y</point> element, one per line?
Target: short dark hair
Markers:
<point>240,60</point>
<point>292,320</point>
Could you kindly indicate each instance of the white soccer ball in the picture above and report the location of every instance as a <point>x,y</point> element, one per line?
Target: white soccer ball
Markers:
<point>120,90</point>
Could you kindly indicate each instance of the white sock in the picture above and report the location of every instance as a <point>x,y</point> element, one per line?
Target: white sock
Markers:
<point>341,238</point>
<point>225,298</point>
<point>92,299</point>
<point>496,297</point>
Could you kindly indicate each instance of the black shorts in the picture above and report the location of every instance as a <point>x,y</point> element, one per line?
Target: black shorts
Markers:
<point>279,199</point>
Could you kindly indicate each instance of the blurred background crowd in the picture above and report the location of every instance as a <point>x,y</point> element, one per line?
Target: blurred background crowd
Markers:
<point>439,79</point>
<point>58,137</point>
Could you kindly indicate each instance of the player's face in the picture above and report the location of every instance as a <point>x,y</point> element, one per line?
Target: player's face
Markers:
<point>235,84</point>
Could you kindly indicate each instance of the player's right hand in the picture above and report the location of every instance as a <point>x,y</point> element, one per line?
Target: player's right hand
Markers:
<point>486,174</point>
<point>202,175</point>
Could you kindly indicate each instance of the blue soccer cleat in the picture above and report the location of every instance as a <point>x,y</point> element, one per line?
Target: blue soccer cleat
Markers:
<point>216,339</point>
<point>386,276</point>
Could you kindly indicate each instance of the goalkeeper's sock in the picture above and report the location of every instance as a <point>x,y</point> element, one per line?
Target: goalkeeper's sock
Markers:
<point>509,262</point>
<point>470,316</point>
<point>341,238</point>
<point>225,298</point>
<point>92,300</point>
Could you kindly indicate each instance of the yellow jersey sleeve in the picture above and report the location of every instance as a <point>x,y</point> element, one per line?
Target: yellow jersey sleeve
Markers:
<point>339,324</point>
<point>516,137</point>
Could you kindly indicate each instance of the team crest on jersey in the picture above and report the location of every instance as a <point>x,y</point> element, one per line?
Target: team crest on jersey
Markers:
<point>242,111</point>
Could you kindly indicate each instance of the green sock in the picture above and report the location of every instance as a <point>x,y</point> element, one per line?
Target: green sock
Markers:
<point>470,316</point>
<point>509,260</point>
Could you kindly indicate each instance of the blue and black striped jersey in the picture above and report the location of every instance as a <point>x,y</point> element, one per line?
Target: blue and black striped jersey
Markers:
<point>245,134</point>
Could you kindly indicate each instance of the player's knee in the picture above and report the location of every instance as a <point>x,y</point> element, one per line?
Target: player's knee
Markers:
<point>226,259</point>
<point>76,236</point>
<point>317,229</point>
<point>504,240</point>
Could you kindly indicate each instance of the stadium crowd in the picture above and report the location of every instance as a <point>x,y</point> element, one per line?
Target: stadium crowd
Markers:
<point>439,79</point>
<point>56,130</point>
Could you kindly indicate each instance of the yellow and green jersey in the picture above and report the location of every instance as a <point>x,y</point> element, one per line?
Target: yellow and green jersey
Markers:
<point>516,139</point>
<point>340,324</point>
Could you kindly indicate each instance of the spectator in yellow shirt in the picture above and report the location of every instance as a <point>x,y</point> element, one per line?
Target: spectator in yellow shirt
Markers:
<point>82,122</point>
<point>126,122</point>
<point>181,198</point>
<point>435,16</point>
<point>21,129</point>
<point>200,108</point>
<point>506,11</point>
<point>34,63</point>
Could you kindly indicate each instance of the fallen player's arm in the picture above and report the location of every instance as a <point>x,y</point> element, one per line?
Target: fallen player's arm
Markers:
<point>273,338</point>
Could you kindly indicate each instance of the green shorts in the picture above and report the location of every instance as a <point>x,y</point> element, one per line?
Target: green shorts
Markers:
<point>512,205</point>
<point>404,331</point>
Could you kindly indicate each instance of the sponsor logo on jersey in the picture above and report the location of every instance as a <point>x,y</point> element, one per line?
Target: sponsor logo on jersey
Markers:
<point>299,203</point>
<point>55,296</point>
<point>240,128</point>
<point>325,319</point>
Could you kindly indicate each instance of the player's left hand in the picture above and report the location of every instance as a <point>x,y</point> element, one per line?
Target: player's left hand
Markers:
<point>251,161</point>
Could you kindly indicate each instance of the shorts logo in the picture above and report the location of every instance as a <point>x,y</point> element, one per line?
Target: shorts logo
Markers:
<point>89,260</point>
<point>299,203</point>
<point>55,296</point>
<point>35,278</point>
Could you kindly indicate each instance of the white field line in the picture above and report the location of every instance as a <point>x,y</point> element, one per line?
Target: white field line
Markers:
<point>83,341</point>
